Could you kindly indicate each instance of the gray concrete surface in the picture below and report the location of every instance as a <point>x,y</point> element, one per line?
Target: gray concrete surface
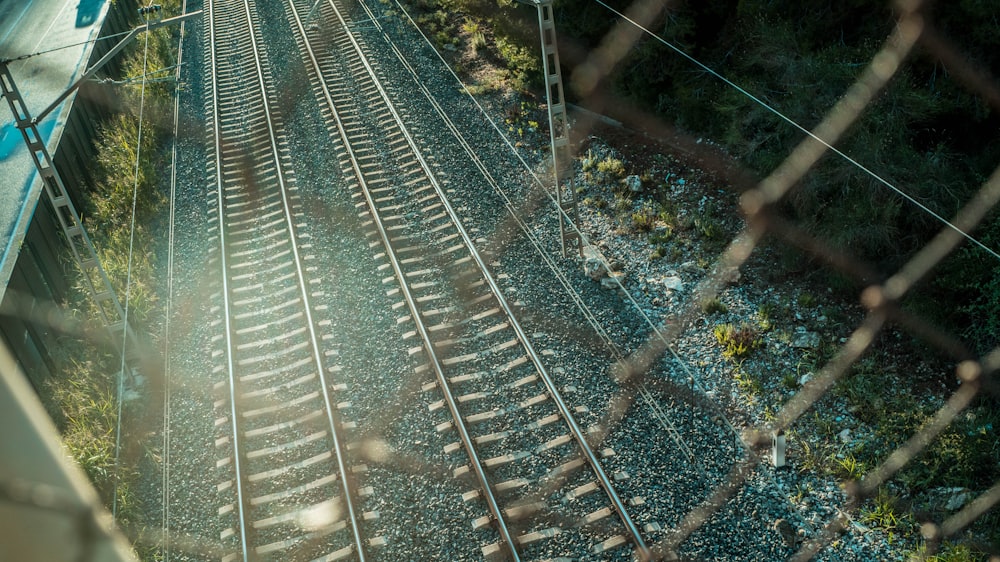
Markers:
<point>27,27</point>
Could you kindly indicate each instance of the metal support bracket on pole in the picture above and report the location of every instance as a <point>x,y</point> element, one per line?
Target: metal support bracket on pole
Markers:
<point>562,153</point>
<point>96,280</point>
<point>108,56</point>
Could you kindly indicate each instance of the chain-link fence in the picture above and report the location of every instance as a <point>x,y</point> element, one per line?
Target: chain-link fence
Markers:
<point>914,35</point>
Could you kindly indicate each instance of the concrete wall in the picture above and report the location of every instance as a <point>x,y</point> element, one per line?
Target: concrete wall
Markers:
<point>40,278</point>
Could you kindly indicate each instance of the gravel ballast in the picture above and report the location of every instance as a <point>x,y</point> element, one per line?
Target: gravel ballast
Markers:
<point>422,515</point>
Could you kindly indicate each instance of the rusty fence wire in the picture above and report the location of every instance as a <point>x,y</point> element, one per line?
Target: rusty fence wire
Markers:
<point>914,31</point>
<point>881,301</point>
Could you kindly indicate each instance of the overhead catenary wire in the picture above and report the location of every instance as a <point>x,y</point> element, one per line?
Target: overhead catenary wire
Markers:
<point>128,279</point>
<point>692,377</point>
<point>803,129</point>
<point>70,46</point>
<point>538,181</point>
<point>165,542</point>
<point>583,237</point>
<point>147,77</point>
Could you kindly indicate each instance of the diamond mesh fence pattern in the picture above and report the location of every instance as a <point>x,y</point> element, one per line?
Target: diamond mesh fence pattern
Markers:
<point>914,35</point>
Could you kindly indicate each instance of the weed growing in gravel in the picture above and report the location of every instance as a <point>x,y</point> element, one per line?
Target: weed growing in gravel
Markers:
<point>708,226</point>
<point>611,168</point>
<point>948,552</point>
<point>623,208</point>
<point>737,341</point>
<point>477,38</point>
<point>790,381</point>
<point>644,219</point>
<point>807,300</point>
<point>750,385</point>
<point>810,459</point>
<point>714,306</point>
<point>883,512</point>
<point>765,317</point>
<point>661,236</point>
<point>862,391</point>
<point>850,468</point>
<point>802,490</point>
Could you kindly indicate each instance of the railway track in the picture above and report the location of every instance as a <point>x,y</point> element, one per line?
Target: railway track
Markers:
<point>289,491</point>
<point>517,442</point>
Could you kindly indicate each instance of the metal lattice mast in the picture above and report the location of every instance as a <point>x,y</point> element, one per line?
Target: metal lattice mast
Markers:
<point>98,285</point>
<point>562,154</point>
<point>96,280</point>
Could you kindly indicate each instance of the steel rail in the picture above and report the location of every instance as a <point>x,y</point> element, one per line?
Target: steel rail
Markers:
<point>641,548</point>
<point>644,391</point>
<point>313,340</point>
<point>338,446</point>
<point>465,437</point>
<point>242,502</point>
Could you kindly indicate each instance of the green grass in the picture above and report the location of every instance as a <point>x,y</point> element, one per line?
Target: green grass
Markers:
<point>714,306</point>
<point>737,341</point>
<point>750,385</point>
<point>807,300</point>
<point>477,38</point>
<point>612,168</point>
<point>949,552</point>
<point>885,513</point>
<point>644,219</point>
<point>790,381</point>
<point>660,238</point>
<point>83,400</point>
<point>849,467</point>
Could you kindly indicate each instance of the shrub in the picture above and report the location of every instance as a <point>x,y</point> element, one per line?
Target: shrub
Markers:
<point>521,62</point>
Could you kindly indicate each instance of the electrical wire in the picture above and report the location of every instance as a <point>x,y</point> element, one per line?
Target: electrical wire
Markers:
<point>583,237</point>
<point>538,245</point>
<point>70,46</point>
<point>167,364</point>
<point>128,277</point>
<point>787,119</point>
<point>148,77</point>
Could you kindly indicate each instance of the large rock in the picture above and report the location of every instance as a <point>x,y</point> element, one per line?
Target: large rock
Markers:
<point>594,263</point>
<point>957,498</point>
<point>844,436</point>
<point>805,340</point>
<point>594,268</point>
<point>690,267</point>
<point>634,183</point>
<point>672,283</point>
